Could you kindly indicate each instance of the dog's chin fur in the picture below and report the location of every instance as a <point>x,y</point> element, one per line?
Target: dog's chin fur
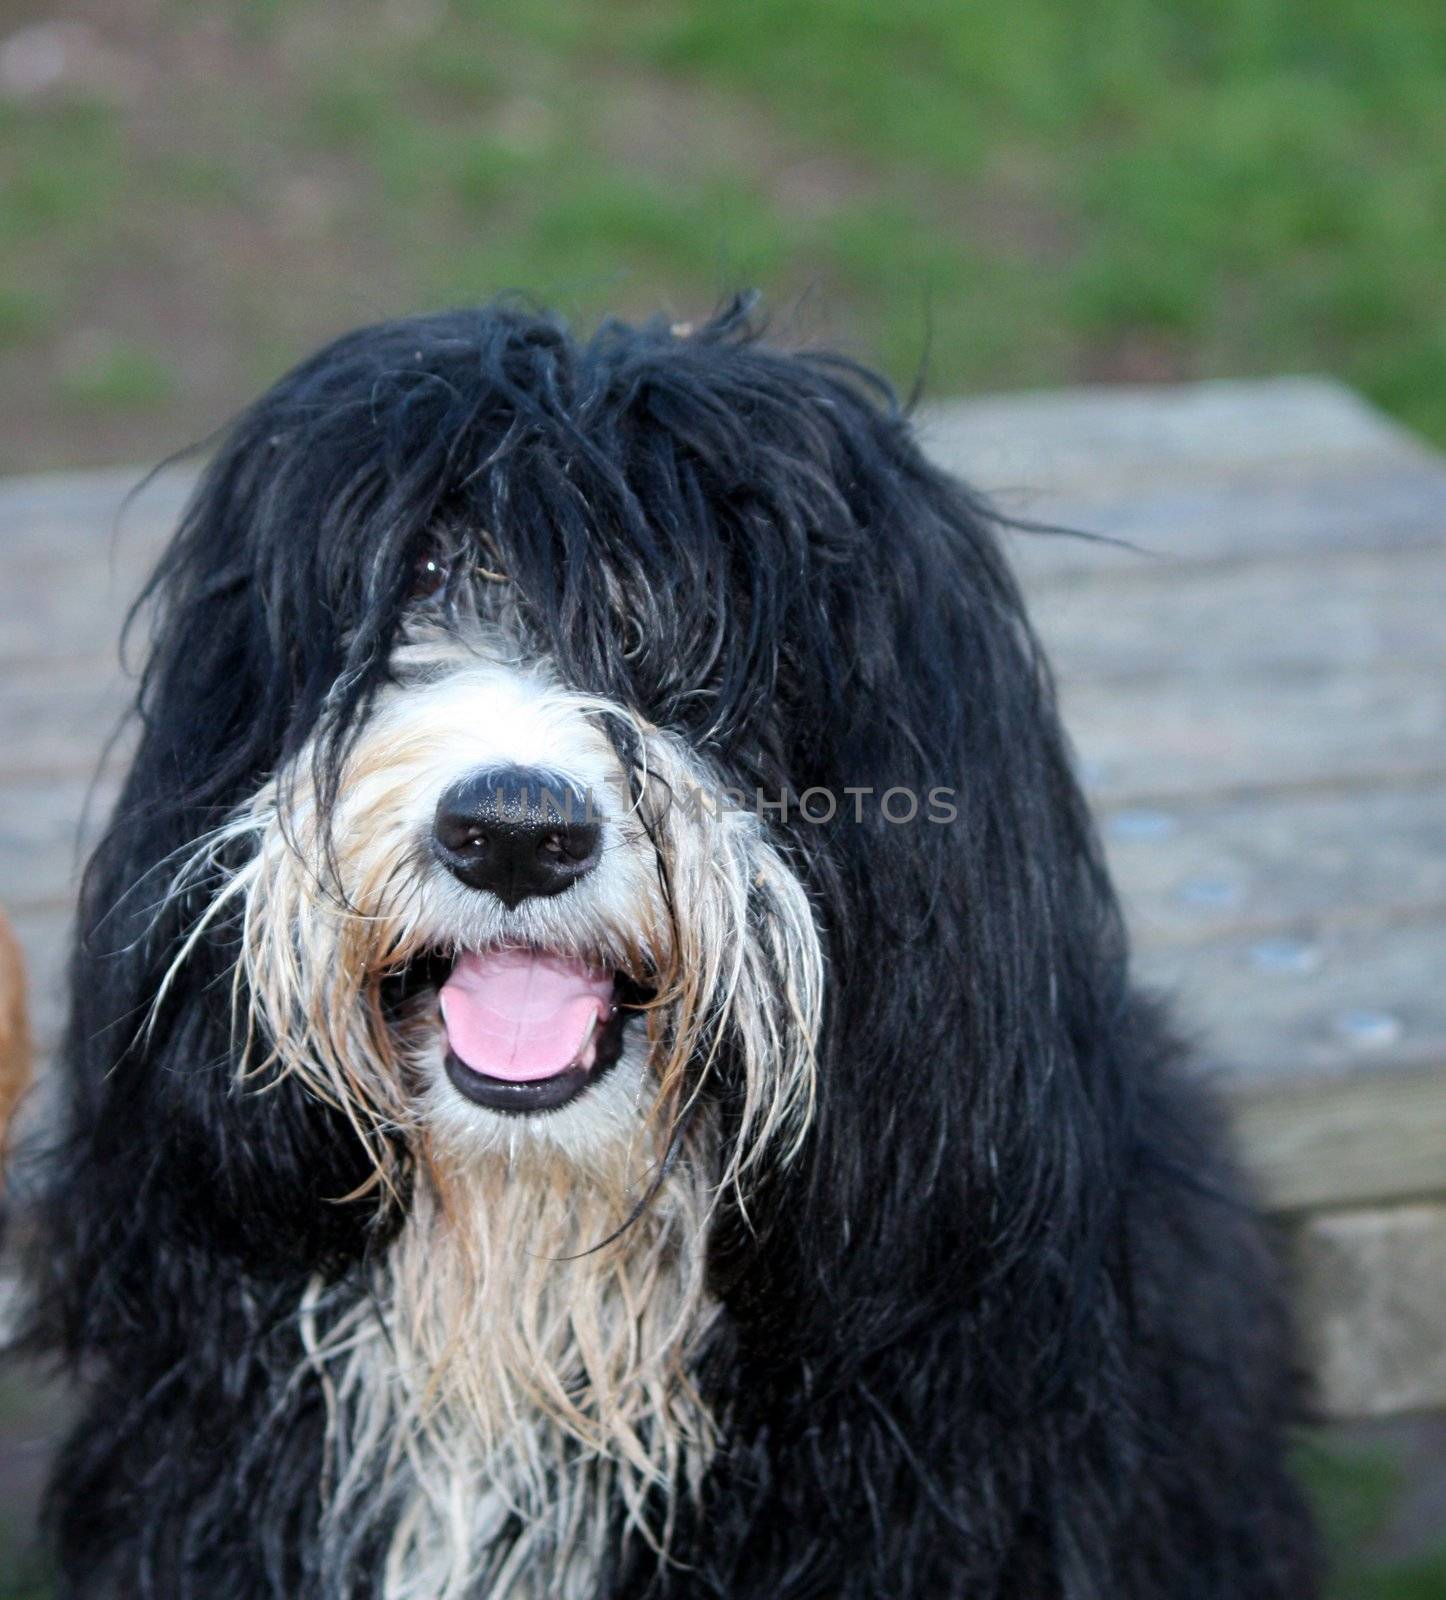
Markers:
<point>520,1371</point>
<point>886,1251</point>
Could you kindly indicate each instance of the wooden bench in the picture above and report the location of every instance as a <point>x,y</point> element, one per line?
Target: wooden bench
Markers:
<point>1258,696</point>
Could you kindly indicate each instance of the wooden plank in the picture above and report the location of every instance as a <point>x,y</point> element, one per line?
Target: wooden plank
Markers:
<point>1067,439</point>
<point>55,719</point>
<point>1131,435</point>
<point>1199,472</point>
<point>79,514</point>
<point>1372,1290</point>
<point>1280,866</point>
<point>1338,725</point>
<point>1239,707</point>
<point>47,826</point>
<point>1187,876</point>
<point>1312,1143</point>
<point>1299,870</point>
<point>43,620</point>
<point>1164,620</point>
<point>1118,432</point>
<point>1319,1004</point>
<point>1323,510</point>
<point>1342,1142</point>
<point>1204,471</point>
<point>49,514</point>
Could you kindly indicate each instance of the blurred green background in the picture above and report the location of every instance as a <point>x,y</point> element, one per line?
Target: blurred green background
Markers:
<point>1032,193</point>
<point>983,196</point>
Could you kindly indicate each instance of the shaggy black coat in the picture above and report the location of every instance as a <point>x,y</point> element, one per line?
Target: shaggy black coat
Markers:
<point>1006,1330</point>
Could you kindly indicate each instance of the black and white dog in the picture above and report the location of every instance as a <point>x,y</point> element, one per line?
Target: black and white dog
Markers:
<point>602,1062</point>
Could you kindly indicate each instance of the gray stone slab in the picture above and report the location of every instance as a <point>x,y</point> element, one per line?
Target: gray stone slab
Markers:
<point>1372,1286</point>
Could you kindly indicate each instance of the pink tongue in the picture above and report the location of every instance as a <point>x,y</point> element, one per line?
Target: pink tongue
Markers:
<point>523,1014</point>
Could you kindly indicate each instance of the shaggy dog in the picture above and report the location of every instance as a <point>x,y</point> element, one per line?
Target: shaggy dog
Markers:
<point>602,1061</point>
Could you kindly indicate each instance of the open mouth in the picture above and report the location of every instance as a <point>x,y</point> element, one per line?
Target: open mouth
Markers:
<point>531,1030</point>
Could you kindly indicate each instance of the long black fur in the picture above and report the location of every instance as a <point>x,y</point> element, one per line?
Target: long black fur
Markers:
<point>1006,1328</point>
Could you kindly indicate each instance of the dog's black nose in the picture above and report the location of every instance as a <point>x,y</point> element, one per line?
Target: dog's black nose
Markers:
<point>516,832</point>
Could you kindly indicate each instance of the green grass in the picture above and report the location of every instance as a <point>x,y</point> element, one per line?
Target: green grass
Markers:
<point>116,378</point>
<point>24,313</point>
<point>1033,194</point>
<point>1355,1490</point>
<point>1262,183</point>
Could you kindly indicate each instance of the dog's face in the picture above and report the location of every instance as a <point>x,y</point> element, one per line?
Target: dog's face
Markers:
<point>499,667</point>
<point>527,919</point>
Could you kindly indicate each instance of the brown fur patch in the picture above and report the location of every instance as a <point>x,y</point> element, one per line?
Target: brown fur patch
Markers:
<point>15,1045</point>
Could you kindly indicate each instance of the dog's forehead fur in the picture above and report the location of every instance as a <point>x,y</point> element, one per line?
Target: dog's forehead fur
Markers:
<point>701,527</point>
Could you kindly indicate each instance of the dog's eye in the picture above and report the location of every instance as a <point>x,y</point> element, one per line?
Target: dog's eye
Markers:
<point>431,575</point>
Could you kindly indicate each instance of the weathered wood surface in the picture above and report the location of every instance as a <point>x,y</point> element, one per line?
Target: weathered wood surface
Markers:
<point>1214,472</point>
<point>1257,692</point>
<point>1257,698</point>
<point>1259,704</point>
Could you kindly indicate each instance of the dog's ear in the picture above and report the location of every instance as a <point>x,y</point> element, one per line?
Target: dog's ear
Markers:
<point>975,957</point>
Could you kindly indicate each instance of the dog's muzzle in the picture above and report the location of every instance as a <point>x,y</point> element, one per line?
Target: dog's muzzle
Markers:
<point>527,1029</point>
<point>516,833</point>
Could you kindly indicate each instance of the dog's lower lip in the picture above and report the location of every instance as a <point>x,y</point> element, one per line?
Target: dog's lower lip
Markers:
<point>502,1094</point>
